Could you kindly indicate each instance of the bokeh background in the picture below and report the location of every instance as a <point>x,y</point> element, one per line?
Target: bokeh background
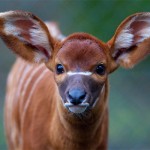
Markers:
<point>129,99</point>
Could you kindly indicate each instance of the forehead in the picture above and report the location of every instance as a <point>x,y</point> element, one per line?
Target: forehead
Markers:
<point>81,53</point>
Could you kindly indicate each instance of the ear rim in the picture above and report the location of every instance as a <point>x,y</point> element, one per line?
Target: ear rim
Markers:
<point>131,49</point>
<point>6,17</point>
<point>111,43</point>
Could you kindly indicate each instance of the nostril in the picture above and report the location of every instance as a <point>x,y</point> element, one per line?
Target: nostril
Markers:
<point>76,96</point>
<point>82,96</point>
<point>75,101</point>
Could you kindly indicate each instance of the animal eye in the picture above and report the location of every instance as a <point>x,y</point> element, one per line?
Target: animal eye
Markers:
<point>100,69</point>
<point>59,69</point>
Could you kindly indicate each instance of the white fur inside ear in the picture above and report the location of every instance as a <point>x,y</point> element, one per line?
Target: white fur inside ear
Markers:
<point>9,29</point>
<point>124,39</point>
<point>144,34</point>
<point>39,37</point>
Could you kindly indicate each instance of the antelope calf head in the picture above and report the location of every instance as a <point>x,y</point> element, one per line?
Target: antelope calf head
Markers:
<point>80,62</point>
<point>81,68</point>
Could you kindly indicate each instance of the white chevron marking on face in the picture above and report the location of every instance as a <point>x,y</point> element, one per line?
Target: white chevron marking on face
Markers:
<point>87,73</point>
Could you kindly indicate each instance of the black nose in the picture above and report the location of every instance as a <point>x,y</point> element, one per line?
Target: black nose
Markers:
<point>76,96</point>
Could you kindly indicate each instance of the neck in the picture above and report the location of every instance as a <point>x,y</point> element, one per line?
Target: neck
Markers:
<point>77,131</point>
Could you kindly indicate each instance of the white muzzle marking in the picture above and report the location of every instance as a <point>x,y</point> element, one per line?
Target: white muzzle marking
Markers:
<point>77,109</point>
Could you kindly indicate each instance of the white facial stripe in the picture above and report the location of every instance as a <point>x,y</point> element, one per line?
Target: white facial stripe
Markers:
<point>102,91</point>
<point>80,73</point>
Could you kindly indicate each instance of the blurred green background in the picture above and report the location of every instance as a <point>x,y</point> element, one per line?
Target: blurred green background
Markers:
<point>129,99</point>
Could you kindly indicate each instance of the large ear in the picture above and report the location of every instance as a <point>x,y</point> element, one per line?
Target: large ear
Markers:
<point>131,42</point>
<point>26,35</point>
<point>54,30</point>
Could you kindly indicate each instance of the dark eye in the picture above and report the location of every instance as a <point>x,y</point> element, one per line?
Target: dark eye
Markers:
<point>100,69</point>
<point>59,69</point>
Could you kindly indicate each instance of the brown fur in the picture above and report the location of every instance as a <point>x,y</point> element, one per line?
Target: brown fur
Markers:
<point>49,122</point>
<point>35,116</point>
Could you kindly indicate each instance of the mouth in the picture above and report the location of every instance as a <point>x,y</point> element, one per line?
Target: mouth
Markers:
<point>77,109</point>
